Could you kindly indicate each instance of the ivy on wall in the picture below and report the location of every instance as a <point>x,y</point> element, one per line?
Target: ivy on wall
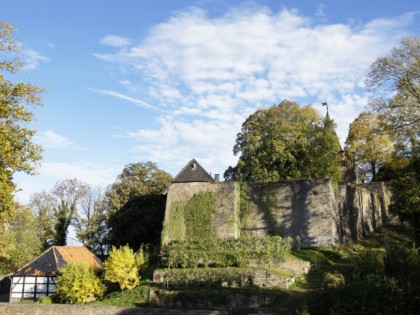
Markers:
<point>198,215</point>
<point>174,227</point>
<point>192,219</point>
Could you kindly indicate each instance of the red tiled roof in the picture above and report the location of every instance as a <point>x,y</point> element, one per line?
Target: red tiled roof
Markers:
<point>56,257</point>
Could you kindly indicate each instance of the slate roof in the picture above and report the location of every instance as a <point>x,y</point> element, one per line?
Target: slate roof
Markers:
<point>192,172</point>
<point>53,259</point>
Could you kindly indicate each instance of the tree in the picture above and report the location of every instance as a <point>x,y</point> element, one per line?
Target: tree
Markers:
<point>122,267</point>
<point>286,142</point>
<point>78,284</point>
<point>42,205</point>
<point>136,179</point>
<point>19,242</point>
<point>60,207</point>
<point>406,194</point>
<point>91,222</point>
<point>395,83</point>
<point>18,152</point>
<point>68,192</point>
<point>135,206</point>
<point>368,146</point>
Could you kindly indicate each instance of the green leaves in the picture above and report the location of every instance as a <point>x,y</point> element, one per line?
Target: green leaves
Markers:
<point>242,252</point>
<point>368,145</point>
<point>286,142</point>
<point>394,81</point>
<point>18,153</point>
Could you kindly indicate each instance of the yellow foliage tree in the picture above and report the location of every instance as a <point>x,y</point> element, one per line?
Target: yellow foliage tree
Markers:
<point>122,266</point>
<point>17,151</point>
<point>368,146</point>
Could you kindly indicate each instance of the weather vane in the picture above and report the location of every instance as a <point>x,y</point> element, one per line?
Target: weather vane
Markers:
<point>325,104</point>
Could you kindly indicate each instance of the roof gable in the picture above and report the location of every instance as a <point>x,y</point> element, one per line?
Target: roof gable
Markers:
<point>53,259</point>
<point>192,172</point>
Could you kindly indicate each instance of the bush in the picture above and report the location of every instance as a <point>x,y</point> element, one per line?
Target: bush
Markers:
<point>374,294</point>
<point>368,262</point>
<point>333,280</point>
<point>78,284</point>
<point>122,266</point>
<point>241,252</point>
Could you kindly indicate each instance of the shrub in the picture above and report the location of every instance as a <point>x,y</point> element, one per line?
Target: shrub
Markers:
<point>242,252</point>
<point>122,266</point>
<point>368,262</point>
<point>78,284</point>
<point>333,280</point>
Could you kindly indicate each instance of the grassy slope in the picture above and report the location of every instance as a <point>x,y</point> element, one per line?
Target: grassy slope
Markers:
<point>341,259</point>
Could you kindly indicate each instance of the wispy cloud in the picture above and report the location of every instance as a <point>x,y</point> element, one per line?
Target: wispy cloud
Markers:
<point>130,99</point>
<point>50,139</point>
<point>33,59</point>
<point>116,41</point>
<point>210,73</point>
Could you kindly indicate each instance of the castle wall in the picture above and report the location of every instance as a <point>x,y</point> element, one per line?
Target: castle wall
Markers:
<point>312,210</point>
<point>298,209</point>
<point>361,209</point>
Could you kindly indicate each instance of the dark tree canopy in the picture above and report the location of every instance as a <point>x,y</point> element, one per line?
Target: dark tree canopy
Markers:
<point>136,179</point>
<point>286,142</point>
<point>136,207</point>
<point>138,222</point>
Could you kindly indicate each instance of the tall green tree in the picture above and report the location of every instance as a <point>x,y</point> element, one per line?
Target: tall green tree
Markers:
<point>406,194</point>
<point>136,179</point>
<point>286,142</point>
<point>42,204</point>
<point>60,205</point>
<point>368,146</point>
<point>394,81</point>
<point>91,222</point>
<point>135,205</point>
<point>18,152</point>
<point>19,242</point>
<point>68,193</point>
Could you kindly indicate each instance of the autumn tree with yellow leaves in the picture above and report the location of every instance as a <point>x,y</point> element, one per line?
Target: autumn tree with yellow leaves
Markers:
<point>18,153</point>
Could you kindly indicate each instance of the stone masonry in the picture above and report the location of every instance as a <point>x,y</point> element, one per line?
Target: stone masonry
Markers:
<point>313,211</point>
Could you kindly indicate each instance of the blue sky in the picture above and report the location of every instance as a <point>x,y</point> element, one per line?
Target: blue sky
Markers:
<point>167,81</point>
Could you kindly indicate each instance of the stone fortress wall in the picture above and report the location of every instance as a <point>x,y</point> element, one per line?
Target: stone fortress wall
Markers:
<point>314,211</point>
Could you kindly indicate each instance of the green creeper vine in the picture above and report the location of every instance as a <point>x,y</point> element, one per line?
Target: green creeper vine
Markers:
<point>192,219</point>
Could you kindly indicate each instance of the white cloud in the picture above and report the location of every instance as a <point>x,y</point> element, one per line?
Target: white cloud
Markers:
<point>211,73</point>
<point>49,139</point>
<point>33,59</point>
<point>116,41</point>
